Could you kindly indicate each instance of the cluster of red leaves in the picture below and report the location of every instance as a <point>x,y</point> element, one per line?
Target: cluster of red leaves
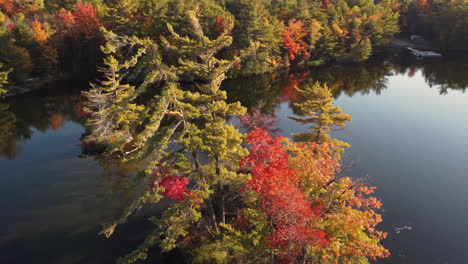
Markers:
<point>220,24</point>
<point>277,187</point>
<point>293,40</point>
<point>81,23</point>
<point>174,187</point>
<point>6,6</point>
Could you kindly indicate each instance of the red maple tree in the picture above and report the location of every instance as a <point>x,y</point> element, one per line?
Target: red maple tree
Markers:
<point>281,198</point>
<point>82,23</point>
<point>293,40</point>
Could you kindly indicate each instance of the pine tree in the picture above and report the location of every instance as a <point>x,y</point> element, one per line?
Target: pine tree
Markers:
<point>361,51</point>
<point>121,16</point>
<point>255,24</point>
<point>3,80</point>
<point>319,109</point>
<point>205,149</point>
<point>111,103</point>
<point>327,45</point>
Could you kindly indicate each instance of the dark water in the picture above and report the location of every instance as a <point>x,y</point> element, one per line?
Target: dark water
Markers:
<point>409,138</point>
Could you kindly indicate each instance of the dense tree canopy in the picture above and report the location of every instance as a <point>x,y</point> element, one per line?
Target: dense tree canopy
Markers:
<point>157,102</point>
<point>445,23</point>
<point>234,198</point>
<point>50,38</point>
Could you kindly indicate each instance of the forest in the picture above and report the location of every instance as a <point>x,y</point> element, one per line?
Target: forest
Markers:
<point>233,193</point>
<point>62,38</point>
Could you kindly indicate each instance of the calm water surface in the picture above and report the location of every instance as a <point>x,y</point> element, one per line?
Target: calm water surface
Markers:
<point>409,138</point>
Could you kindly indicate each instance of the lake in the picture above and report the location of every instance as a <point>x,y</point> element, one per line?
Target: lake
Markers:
<point>409,138</point>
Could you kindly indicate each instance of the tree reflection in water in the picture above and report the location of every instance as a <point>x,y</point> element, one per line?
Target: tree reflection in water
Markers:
<point>43,111</point>
<point>274,89</point>
<point>21,115</point>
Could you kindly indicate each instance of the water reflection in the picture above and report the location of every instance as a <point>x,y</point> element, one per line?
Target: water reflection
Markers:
<point>341,79</point>
<point>348,80</point>
<point>444,75</point>
<point>46,110</point>
<point>9,134</point>
<point>56,201</point>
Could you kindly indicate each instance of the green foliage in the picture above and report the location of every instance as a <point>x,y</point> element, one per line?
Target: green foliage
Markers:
<point>255,24</point>
<point>192,120</point>
<point>70,40</point>
<point>121,15</point>
<point>443,23</point>
<point>230,245</point>
<point>361,51</point>
<point>3,80</point>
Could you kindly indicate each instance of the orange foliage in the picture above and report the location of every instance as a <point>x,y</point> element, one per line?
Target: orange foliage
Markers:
<point>81,23</point>
<point>293,40</point>
<point>349,212</point>
<point>293,217</point>
<point>40,35</point>
<point>220,24</point>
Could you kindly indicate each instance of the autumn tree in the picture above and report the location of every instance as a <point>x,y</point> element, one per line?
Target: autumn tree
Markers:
<point>294,40</point>
<point>349,211</point>
<point>319,109</point>
<point>291,216</point>
<point>42,34</point>
<point>78,39</point>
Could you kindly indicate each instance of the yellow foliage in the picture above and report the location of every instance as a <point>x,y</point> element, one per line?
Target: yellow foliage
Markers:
<point>337,29</point>
<point>40,35</point>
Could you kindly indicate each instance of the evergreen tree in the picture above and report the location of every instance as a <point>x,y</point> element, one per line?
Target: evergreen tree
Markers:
<point>327,45</point>
<point>255,24</point>
<point>3,80</point>
<point>206,149</point>
<point>319,109</point>
<point>121,15</point>
<point>114,113</point>
<point>361,51</point>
